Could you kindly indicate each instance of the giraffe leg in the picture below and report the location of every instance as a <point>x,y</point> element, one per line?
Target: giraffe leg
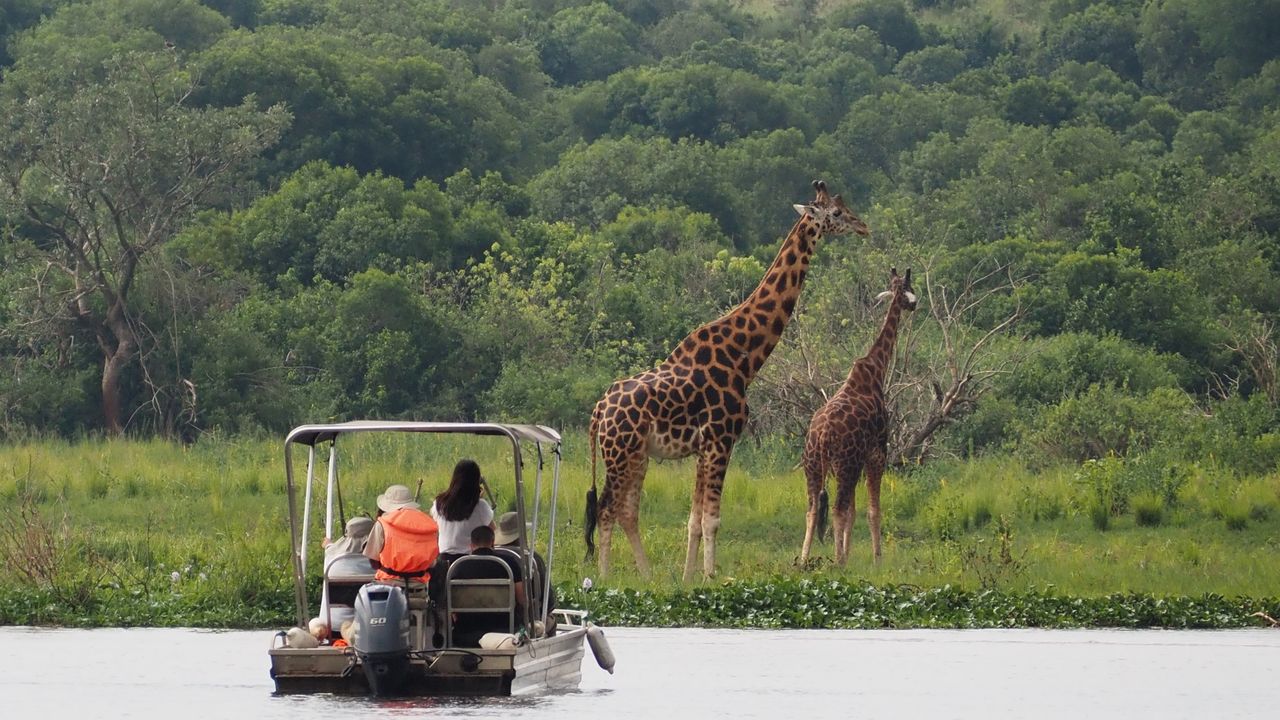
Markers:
<point>631,526</point>
<point>606,537</point>
<point>846,484</point>
<point>624,473</point>
<point>712,464</point>
<point>629,511</point>
<point>694,529</point>
<point>875,470</point>
<point>815,475</point>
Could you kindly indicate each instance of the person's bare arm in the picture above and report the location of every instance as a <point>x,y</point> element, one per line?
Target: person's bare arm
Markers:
<point>520,598</point>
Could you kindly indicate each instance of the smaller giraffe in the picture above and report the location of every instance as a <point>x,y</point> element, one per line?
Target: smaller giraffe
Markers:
<point>850,433</point>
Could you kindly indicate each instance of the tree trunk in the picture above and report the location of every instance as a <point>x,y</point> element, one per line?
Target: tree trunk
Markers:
<point>112,370</point>
<point>113,367</point>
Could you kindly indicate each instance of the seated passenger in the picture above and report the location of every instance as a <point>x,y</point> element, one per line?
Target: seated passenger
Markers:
<point>403,542</point>
<point>353,541</point>
<point>507,541</point>
<point>468,628</point>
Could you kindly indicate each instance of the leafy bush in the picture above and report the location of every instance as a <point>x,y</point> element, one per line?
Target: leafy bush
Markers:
<point>1038,505</point>
<point>1100,515</point>
<point>1241,435</point>
<point>1114,484</point>
<point>1236,519</point>
<point>1148,509</point>
<point>1103,421</point>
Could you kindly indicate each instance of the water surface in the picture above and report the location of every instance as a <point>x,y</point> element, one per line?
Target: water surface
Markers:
<point>669,674</point>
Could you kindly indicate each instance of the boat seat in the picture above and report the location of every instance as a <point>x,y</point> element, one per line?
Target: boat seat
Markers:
<point>343,576</point>
<point>491,593</point>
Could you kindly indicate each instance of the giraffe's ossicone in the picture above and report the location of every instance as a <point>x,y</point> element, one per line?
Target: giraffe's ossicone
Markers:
<point>695,401</point>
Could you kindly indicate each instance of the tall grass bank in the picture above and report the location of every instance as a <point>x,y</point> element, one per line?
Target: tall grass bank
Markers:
<point>153,533</point>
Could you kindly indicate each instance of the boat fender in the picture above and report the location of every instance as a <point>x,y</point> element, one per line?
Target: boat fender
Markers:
<point>319,629</point>
<point>300,638</point>
<point>498,641</point>
<point>600,647</point>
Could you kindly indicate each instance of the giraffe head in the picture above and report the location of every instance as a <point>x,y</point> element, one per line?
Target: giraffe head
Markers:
<point>831,214</point>
<point>900,290</point>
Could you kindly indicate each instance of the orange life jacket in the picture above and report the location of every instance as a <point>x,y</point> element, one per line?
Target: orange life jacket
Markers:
<point>410,547</point>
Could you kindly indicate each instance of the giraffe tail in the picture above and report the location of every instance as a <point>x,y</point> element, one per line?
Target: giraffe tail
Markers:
<point>593,508</point>
<point>823,508</point>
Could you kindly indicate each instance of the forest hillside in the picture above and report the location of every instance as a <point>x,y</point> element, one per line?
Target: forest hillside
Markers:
<point>232,216</point>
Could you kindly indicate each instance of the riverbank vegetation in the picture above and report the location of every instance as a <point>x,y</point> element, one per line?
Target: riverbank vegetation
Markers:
<point>222,218</point>
<point>152,533</point>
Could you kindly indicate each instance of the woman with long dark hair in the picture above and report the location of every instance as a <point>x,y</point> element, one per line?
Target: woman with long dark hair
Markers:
<point>460,509</point>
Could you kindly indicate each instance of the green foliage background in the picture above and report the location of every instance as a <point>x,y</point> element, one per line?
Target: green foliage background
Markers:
<point>490,210</point>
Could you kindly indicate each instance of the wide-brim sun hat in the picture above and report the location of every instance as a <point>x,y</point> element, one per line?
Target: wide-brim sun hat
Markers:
<point>359,526</point>
<point>508,529</point>
<point>396,497</point>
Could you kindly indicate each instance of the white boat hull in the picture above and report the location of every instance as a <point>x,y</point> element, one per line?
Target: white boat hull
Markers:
<point>536,666</point>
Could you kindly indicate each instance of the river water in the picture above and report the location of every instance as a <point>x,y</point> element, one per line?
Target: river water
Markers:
<point>671,674</point>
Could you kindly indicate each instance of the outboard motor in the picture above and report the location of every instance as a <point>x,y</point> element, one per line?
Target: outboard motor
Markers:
<point>382,636</point>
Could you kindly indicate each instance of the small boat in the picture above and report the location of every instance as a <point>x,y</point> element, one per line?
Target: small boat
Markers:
<point>401,640</point>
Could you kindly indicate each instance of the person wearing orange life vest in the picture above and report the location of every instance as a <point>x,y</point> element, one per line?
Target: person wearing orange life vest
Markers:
<point>404,542</point>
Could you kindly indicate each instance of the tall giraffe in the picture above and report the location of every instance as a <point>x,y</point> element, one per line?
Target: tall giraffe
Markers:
<point>850,433</point>
<point>695,401</point>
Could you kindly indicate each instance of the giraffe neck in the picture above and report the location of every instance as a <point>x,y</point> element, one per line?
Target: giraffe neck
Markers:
<point>748,333</point>
<point>870,368</point>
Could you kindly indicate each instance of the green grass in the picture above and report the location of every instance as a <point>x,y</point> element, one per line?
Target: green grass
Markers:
<point>131,513</point>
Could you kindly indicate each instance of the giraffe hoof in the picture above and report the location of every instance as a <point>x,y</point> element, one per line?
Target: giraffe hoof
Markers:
<point>811,564</point>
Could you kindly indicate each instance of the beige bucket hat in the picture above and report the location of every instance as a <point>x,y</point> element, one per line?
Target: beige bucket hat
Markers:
<point>508,529</point>
<point>396,497</point>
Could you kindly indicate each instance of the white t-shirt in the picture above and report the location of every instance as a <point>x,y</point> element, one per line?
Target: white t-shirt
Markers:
<point>455,537</point>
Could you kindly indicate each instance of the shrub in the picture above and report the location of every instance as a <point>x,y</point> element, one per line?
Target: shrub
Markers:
<point>1108,420</point>
<point>1112,483</point>
<point>99,486</point>
<point>1040,505</point>
<point>1100,515</point>
<point>943,521</point>
<point>980,512</point>
<point>1106,485</point>
<point>1148,510</point>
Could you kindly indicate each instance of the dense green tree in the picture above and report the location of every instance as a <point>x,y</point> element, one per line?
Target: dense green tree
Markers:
<point>592,183</point>
<point>1037,101</point>
<point>1174,60</point>
<point>876,130</point>
<point>1106,420</point>
<point>111,172</point>
<point>331,223</point>
<point>1242,33</point>
<point>589,42</point>
<point>383,345</point>
<point>406,115</point>
<point>932,65</point>
<point>1100,33</point>
<point>240,12</point>
<point>81,40</point>
<point>1208,138</point>
<point>890,19</point>
<point>679,31</point>
<point>18,15</point>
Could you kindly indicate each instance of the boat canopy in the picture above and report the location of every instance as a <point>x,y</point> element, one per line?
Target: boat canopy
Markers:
<point>315,434</point>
